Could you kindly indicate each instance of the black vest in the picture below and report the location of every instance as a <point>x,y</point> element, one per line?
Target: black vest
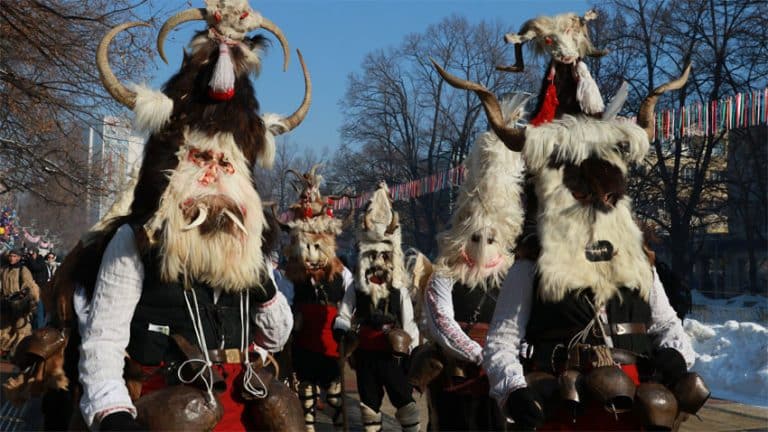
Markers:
<point>387,312</point>
<point>473,305</point>
<point>326,293</point>
<point>162,311</point>
<point>554,323</point>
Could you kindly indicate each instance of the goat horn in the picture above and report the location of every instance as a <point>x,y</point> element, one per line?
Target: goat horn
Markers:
<point>393,224</point>
<point>236,221</point>
<point>198,220</point>
<point>296,173</point>
<point>597,53</point>
<point>513,138</point>
<point>519,65</point>
<point>645,117</point>
<point>289,123</point>
<point>115,88</point>
<point>275,30</point>
<point>314,169</point>
<point>194,14</point>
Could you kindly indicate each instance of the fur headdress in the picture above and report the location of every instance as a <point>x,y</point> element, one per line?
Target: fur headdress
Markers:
<point>380,255</point>
<point>489,215</point>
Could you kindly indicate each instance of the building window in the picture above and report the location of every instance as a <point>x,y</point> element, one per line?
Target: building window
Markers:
<point>688,173</point>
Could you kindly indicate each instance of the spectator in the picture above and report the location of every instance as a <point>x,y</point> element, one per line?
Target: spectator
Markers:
<point>283,284</point>
<point>17,309</point>
<point>37,266</point>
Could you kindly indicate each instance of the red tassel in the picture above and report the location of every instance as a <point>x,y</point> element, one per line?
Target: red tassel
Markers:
<point>547,112</point>
<point>308,212</point>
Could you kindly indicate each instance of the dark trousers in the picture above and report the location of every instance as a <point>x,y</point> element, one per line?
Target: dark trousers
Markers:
<point>377,371</point>
<point>315,367</point>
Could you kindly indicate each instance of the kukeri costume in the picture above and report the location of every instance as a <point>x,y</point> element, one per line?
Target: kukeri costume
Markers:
<point>320,281</point>
<point>590,316</point>
<point>379,310</point>
<point>475,253</point>
<point>175,275</point>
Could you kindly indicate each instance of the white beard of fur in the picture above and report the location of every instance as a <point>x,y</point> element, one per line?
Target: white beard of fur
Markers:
<point>566,227</point>
<point>219,259</point>
<point>489,197</point>
<point>153,109</point>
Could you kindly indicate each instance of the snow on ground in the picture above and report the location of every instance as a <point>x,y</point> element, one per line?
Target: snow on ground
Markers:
<point>732,358</point>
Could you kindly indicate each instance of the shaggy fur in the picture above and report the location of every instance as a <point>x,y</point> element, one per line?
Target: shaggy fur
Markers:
<point>488,207</point>
<point>153,109</point>
<point>227,259</point>
<point>381,234</point>
<point>563,37</point>
<point>566,227</point>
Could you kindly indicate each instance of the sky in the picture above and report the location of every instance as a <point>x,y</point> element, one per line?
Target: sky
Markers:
<point>334,36</point>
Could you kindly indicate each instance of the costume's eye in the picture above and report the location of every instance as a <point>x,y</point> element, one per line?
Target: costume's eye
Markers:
<point>475,238</point>
<point>244,15</point>
<point>317,246</point>
<point>385,256</point>
<point>548,40</point>
<point>491,240</point>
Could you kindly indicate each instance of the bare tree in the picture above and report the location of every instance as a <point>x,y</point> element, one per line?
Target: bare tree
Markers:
<point>50,89</point>
<point>402,122</point>
<point>651,41</point>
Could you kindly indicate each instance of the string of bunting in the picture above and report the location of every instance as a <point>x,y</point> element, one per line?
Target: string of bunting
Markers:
<point>737,111</point>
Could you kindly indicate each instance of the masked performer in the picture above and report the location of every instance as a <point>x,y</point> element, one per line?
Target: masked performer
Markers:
<point>475,254</point>
<point>320,280</point>
<point>602,347</point>
<point>380,312</point>
<point>174,278</point>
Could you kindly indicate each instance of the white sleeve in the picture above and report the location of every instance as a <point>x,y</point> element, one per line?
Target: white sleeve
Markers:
<point>274,321</point>
<point>438,306</point>
<point>347,308</point>
<point>107,329</point>
<point>502,347</point>
<point>666,330</point>
<point>409,324</point>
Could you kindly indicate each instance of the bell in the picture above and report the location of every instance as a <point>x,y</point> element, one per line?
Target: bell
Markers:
<point>611,387</point>
<point>543,384</point>
<point>279,411</point>
<point>568,384</point>
<point>691,392</point>
<point>179,408</point>
<point>400,341</point>
<point>656,406</point>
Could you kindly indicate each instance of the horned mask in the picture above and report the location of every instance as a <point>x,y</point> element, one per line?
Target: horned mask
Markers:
<point>585,223</point>
<point>478,248</point>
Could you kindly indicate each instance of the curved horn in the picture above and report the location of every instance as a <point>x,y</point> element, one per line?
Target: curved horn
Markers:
<point>289,123</point>
<point>194,14</point>
<point>513,138</point>
<point>314,168</point>
<point>115,88</point>
<point>298,176</point>
<point>645,115</point>
<point>275,30</point>
<point>519,65</point>
<point>597,53</point>
<point>236,221</point>
<point>198,220</point>
<point>393,224</point>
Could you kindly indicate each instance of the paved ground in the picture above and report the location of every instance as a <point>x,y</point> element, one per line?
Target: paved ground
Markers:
<point>716,416</point>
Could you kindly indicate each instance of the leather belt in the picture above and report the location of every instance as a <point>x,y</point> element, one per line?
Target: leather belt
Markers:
<point>628,328</point>
<point>229,355</point>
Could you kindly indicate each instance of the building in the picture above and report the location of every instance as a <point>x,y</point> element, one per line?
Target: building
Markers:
<point>113,151</point>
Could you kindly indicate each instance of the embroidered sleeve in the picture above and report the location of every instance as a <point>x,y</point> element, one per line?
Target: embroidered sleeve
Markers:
<point>273,321</point>
<point>666,329</point>
<point>502,347</point>
<point>443,328</point>
<point>106,328</point>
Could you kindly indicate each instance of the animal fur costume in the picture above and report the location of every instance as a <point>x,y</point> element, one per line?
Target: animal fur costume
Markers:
<point>380,308</point>
<point>475,254</point>
<point>181,253</point>
<point>591,301</point>
<point>320,280</point>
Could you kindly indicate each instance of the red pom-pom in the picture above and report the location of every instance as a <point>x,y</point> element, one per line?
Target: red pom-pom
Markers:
<point>329,212</point>
<point>307,212</point>
<point>547,112</point>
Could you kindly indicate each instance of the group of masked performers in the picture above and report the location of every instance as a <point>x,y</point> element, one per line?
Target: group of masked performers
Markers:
<point>541,310</point>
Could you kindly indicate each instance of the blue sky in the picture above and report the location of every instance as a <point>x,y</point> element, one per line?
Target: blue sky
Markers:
<point>334,37</point>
